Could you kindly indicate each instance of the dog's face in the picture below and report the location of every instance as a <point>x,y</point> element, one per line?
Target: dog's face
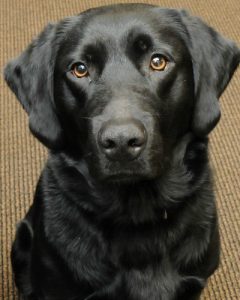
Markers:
<point>124,83</point>
<point>118,86</point>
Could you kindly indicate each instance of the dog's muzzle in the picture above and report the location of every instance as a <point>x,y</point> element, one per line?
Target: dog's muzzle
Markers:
<point>122,139</point>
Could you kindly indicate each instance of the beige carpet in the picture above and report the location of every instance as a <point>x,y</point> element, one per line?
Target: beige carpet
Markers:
<point>22,157</point>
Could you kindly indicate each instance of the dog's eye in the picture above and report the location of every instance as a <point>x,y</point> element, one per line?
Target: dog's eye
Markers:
<point>158,62</point>
<point>79,70</point>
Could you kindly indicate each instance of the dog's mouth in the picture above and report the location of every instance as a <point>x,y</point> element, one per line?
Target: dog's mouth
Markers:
<point>125,173</point>
<point>147,165</point>
<point>126,178</point>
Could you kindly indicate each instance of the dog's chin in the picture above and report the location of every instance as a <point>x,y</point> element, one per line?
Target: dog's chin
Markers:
<point>128,172</point>
<point>127,177</point>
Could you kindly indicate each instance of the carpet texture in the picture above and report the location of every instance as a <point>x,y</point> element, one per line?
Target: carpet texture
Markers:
<point>22,156</point>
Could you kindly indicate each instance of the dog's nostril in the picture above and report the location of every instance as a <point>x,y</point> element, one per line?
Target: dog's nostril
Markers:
<point>109,144</point>
<point>134,143</point>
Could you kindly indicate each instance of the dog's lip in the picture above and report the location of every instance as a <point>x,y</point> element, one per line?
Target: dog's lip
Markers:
<point>125,177</point>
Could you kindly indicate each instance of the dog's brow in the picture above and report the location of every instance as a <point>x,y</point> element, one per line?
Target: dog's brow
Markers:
<point>94,48</point>
<point>136,34</point>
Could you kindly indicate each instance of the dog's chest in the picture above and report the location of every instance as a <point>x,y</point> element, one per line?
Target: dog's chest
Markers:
<point>146,262</point>
<point>154,282</point>
<point>137,247</point>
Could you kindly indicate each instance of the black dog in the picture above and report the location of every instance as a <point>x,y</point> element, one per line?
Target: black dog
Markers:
<point>124,97</point>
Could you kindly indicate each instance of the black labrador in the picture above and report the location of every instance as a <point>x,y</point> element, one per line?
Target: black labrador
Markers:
<point>124,97</point>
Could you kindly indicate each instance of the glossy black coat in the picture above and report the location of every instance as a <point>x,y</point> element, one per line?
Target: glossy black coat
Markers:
<point>136,228</point>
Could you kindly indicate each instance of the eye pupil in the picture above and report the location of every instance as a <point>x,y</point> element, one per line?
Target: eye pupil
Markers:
<point>158,63</point>
<point>79,70</point>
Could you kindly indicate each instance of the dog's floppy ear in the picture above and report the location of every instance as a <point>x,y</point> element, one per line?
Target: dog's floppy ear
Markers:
<point>215,59</point>
<point>30,76</point>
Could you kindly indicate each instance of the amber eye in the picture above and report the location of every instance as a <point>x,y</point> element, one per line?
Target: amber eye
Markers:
<point>158,62</point>
<point>79,70</point>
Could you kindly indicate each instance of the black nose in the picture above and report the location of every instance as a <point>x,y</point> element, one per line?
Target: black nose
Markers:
<point>122,139</point>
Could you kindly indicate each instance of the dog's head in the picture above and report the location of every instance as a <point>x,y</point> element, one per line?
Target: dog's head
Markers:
<point>118,86</point>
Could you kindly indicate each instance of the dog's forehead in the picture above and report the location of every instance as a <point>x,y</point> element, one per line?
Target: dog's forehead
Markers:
<point>123,18</point>
<point>112,27</point>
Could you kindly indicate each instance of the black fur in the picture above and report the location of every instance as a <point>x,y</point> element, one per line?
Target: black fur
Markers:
<point>121,228</point>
